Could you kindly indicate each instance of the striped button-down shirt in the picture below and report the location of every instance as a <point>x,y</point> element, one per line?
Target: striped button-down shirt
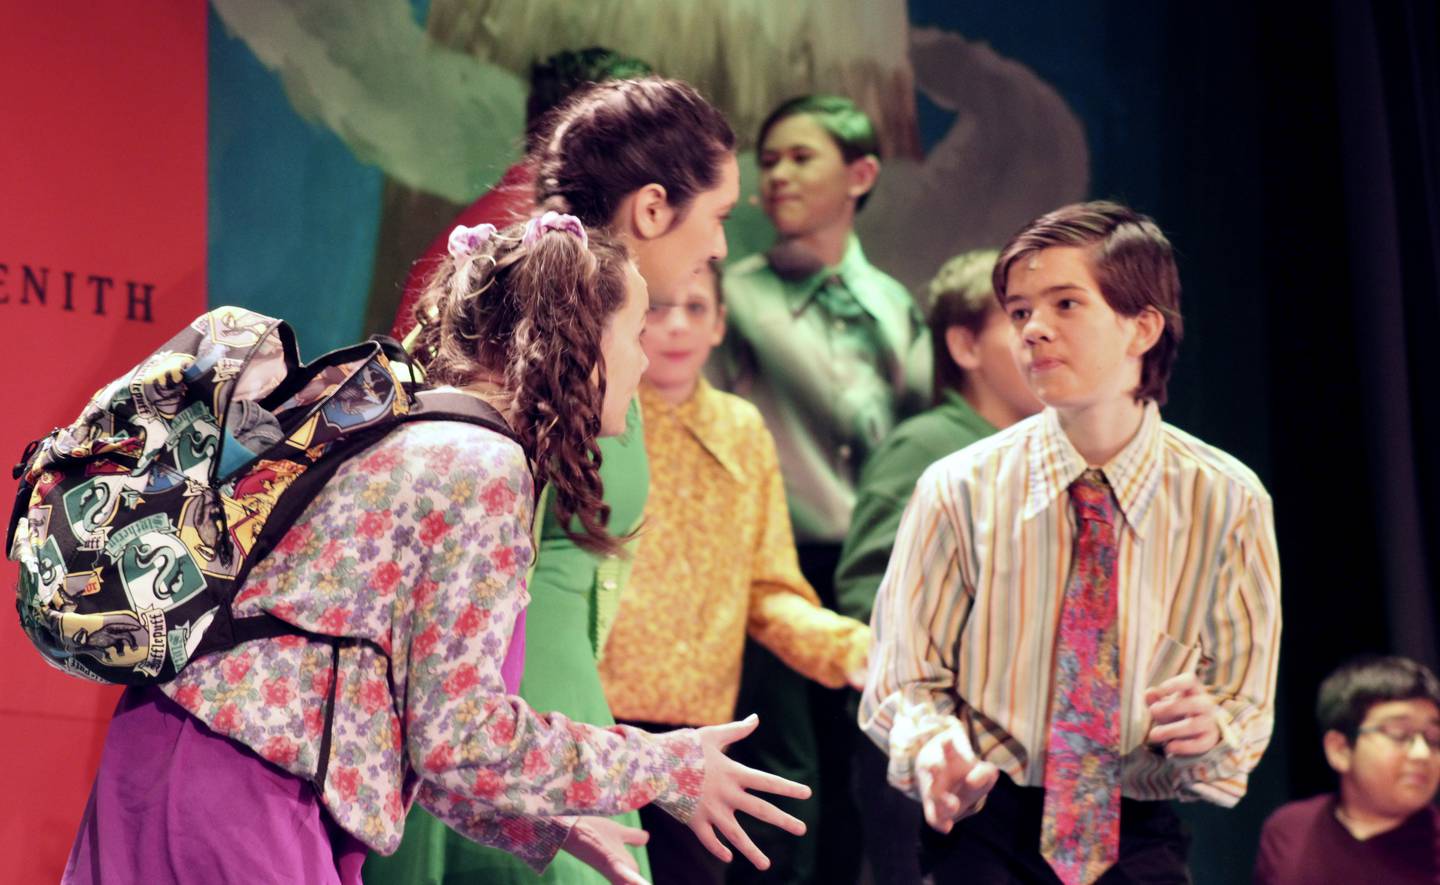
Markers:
<point>965,623</point>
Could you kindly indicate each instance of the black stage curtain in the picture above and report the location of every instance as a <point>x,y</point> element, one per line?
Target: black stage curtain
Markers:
<point>1352,249</point>
<point>1296,155</point>
<point>1389,99</point>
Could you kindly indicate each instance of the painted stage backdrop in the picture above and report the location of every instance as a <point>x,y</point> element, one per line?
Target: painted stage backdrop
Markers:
<point>294,158</point>
<point>345,134</point>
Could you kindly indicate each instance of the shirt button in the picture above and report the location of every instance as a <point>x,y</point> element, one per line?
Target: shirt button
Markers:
<point>608,584</point>
<point>843,452</point>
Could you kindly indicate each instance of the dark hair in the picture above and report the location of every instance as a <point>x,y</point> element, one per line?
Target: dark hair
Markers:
<point>1347,694</point>
<point>1133,263</point>
<point>850,128</point>
<point>614,138</point>
<point>959,295</point>
<point>556,78</point>
<point>534,316</point>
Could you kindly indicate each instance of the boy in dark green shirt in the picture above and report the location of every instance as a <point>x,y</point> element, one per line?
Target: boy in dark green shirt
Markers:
<point>978,390</point>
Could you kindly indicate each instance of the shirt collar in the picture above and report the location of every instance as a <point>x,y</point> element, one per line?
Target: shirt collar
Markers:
<point>964,413</point>
<point>702,418</point>
<point>1134,473</point>
<point>852,273</point>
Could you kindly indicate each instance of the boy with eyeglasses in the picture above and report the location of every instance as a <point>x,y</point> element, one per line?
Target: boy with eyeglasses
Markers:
<point>1381,721</point>
<point>716,564</point>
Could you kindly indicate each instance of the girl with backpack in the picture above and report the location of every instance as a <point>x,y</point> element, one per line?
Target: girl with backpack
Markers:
<point>415,555</point>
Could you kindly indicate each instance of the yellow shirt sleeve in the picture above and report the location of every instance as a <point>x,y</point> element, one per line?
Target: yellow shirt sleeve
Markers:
<point>785,614</point>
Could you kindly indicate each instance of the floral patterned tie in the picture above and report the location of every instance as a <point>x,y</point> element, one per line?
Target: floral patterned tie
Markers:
<point>1080,829</point>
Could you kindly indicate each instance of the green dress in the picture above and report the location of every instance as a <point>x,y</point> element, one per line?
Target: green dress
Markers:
<point>573,594</point>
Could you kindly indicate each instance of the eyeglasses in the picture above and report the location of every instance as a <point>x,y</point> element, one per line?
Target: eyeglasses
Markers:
<point>1404,735</point>
<point>694,310</point>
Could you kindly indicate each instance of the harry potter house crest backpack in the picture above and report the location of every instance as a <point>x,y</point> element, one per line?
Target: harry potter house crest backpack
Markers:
<point>136,525</point>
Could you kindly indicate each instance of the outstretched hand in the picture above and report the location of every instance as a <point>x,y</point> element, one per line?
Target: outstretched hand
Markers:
<point>600,843</point>
<point>727,790</point>
<point>952,782</point>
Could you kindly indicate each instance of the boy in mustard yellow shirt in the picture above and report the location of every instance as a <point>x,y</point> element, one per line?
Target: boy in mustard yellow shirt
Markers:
<point>716,560</point>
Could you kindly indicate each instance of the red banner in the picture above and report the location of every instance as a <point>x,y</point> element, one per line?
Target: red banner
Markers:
<point>102,258</point>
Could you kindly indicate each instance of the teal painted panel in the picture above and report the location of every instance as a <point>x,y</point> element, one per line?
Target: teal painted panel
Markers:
<point>293,216</point>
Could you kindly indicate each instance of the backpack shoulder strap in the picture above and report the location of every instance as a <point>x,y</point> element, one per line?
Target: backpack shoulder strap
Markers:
<point>426,405</point>
<point>450,405</point>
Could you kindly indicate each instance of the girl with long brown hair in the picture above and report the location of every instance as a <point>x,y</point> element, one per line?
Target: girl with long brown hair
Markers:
<point>651,162</point>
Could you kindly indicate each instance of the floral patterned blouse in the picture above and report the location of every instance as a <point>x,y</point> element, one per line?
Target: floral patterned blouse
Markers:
<point>418,548</point>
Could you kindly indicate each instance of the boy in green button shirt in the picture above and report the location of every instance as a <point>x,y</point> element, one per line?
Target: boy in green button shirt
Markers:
<point>832,352</point>
<point>978,390</point>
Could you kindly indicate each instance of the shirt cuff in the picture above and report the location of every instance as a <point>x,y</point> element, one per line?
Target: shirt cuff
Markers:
<point>684,757</point>
<point>1194,775</point>
<point>858,654</point>
<point>908,738</point>
<point>550,835</point>
<point>534,840</point>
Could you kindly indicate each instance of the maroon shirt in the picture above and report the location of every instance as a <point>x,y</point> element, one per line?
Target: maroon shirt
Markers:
<point>1303,844</point>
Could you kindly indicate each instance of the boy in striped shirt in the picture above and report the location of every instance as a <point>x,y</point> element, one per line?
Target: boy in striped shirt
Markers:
<point>1080,618</point>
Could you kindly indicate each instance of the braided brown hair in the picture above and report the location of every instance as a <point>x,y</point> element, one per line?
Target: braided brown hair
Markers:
<point>532,317</point>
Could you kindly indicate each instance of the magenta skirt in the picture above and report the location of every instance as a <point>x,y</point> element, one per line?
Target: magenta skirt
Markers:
<point>175,802</point>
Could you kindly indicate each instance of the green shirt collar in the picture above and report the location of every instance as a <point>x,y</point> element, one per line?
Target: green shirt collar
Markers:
<point>853,272</point>
<point>964,414</point>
